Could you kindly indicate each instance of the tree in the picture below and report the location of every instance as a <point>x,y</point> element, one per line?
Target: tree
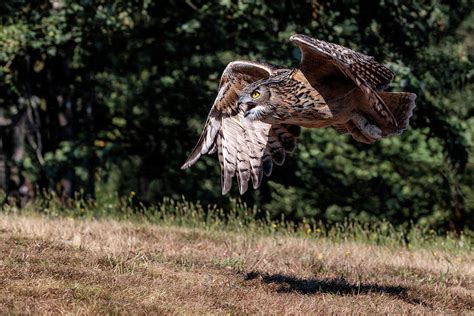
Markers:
<point>117,92</point>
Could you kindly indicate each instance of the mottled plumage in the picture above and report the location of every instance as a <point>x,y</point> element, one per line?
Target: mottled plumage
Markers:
<point>257,114</point>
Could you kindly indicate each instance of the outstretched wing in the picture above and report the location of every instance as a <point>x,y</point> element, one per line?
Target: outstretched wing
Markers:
<point>247,149</point>
<point>326,64</point>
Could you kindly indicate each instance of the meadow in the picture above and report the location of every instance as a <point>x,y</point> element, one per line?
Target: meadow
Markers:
<point>102,101</point>
<point>180,257</point>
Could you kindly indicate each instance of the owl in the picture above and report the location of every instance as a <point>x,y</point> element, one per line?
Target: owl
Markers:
<point>260,108</point>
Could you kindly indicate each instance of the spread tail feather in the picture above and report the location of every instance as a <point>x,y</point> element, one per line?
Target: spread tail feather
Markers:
<point>401,104</point>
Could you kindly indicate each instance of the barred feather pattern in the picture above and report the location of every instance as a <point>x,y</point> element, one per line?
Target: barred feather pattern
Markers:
<point>249,149</point>
<point>207,140</point>
<point>246,149</point>
<point>333,86</point>
<point>366,73</point>
<point>401,104</point>
<point>374,74</point>
<point>235,77</point>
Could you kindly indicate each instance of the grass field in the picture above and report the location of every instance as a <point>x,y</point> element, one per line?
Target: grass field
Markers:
<point>89,266</point>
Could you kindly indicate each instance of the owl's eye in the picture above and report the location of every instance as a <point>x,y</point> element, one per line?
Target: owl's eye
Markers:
<point>255,94</point>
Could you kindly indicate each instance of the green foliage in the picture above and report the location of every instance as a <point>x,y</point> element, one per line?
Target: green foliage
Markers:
<point>121,89</point>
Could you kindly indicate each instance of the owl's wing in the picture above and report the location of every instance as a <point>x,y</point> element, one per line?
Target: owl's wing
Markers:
<point>326,63</point>
<point>245,148</point>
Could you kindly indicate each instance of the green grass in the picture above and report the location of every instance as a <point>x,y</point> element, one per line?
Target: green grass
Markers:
<point>240,218</point>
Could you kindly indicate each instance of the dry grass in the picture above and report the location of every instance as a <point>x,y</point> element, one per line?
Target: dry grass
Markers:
<point>89,267</point>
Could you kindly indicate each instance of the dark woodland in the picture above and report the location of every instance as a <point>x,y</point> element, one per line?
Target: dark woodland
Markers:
<point>107,98</point>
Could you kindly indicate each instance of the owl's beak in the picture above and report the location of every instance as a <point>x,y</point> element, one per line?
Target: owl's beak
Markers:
<point>245,104</point>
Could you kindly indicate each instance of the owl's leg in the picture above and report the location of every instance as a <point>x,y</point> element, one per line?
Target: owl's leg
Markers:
<point>370,131</point>
<point>356,134</point>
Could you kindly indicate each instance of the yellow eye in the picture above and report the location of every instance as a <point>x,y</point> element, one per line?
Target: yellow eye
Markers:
<point>255,94</point>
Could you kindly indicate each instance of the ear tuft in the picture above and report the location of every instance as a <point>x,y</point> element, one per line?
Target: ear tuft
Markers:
<point>297,75</point>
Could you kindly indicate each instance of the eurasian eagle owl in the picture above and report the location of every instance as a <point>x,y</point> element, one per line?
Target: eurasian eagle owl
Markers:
<point>259,109</point>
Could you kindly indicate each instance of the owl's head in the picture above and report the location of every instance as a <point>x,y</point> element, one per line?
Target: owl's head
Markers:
<point>263,99</point>
<point>255,101</point>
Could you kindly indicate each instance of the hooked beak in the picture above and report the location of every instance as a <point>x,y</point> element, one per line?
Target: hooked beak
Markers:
<point>245,105</point>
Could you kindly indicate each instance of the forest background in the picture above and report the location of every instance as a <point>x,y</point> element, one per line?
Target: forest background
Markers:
<point>107,98</point>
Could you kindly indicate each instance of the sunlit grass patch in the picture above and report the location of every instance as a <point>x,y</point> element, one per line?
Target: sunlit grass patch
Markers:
<point>241,218</point>
<point>124,266</point>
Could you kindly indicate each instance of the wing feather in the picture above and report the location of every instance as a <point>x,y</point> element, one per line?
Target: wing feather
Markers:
<point>243,170</point>
<point>230,140</point>
<point>257,137</point>
<point>323,61</point>
<point>246,149</point>
<point>206,142</point>
<point>276,148</point>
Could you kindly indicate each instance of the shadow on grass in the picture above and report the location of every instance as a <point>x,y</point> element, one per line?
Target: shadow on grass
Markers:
<point>290,284</point>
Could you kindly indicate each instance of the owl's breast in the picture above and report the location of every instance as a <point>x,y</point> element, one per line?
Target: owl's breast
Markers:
<point>308,108</point>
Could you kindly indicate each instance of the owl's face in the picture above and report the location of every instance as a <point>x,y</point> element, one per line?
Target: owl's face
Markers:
<point>269,100</point>
<point>255,102</point>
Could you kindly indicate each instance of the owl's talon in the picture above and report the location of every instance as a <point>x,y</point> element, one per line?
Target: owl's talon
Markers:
<point>370,131</point>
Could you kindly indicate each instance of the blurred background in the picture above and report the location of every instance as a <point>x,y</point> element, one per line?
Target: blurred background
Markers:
<point>101,98</point>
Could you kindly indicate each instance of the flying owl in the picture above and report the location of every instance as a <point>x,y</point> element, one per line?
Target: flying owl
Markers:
<point>258,112</point>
